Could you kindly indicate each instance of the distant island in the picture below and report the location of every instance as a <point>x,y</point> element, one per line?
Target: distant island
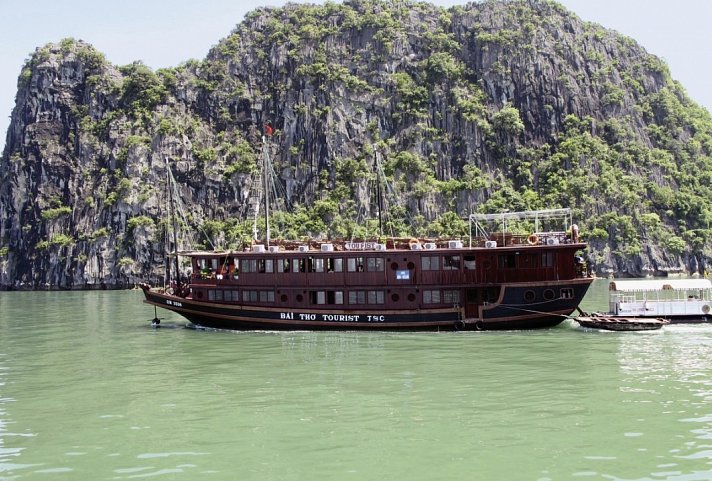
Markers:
<point>505,104</point>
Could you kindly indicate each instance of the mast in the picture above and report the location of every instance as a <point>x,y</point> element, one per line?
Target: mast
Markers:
<point>265,167</point>
<point>379,194</point>
<point>173,220</point>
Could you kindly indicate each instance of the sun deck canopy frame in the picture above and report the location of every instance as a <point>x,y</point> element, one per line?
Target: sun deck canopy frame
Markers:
<point>505,218</point>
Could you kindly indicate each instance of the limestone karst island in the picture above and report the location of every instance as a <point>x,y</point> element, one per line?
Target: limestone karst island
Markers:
<point>388,118</point>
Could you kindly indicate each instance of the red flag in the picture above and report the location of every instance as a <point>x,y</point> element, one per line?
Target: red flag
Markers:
<point>268,130</point>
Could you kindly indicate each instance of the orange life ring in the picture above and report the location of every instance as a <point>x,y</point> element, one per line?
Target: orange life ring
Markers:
<point>533,239</point>
<point>413,241</point>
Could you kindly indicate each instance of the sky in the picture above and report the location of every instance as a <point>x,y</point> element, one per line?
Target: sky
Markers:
<point>165,33</point>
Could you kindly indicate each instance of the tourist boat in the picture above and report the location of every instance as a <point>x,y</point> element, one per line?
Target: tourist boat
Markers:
<point>676,300</point>
<point>501,280</point>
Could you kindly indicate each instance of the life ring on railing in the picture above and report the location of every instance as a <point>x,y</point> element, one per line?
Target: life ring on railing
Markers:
<point>533,240</point>
<point>413,242</point>
<point>459,325</point>
<point>479,326</point>
<point>706,309</point>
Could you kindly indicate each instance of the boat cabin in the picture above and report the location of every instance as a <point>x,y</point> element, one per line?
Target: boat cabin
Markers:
<point>369,275</point>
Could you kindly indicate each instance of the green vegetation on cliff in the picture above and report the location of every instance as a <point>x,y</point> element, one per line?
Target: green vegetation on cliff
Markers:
<point>503,104</point>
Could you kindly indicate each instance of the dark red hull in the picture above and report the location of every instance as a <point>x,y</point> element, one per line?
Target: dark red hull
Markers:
<point>507,312</point>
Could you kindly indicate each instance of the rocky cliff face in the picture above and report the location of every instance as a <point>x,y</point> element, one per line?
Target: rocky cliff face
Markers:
<point>501,104</point>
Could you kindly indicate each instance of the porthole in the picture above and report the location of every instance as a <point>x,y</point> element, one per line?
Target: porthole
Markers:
<point>529,296</point>
<point>549,294</point>
<point>395,298</point>
<point>300,298</point>
<point>283,298</point>
<point>411,297</point>
<point>394,266</point>
<point>411,266</point>
<point>199,294</point>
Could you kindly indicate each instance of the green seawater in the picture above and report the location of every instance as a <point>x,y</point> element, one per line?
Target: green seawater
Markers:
<point>89,391</point>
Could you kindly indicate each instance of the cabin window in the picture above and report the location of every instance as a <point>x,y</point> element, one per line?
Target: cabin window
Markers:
<point>376,297</point>
<point>283,265</point>
<point>451,263</point>
<point>354,264</point>
<point>451,297</point>
<point>249,296</point>
<point>470,263</point>
<point>335,265</point>
<point>431,297</point>
<point>318,265</point>
<point>507,261</point>
<point>223,267</point>
<point>295,265</point>
<point>211,294</point>
<point>567,293</point>
<point>249,265</point>
<point>527,261</point>
<point>430,263</point>
<point>374,264</point>
<point>206,271</point>
<point>547,259</point>
<point>265,265</point>
<point>357,297</point>
<point>327,297</point>
<point>318,297</point>
<point>266,296</point>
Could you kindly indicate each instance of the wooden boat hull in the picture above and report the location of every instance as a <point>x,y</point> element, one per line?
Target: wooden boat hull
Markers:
<point>617,323</point>
<point>508,312</point>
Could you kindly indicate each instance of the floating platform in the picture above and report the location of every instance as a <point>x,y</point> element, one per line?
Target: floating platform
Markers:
<point>617,323</point>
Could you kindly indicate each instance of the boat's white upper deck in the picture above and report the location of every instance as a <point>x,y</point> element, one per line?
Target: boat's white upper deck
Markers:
<point>660,285</point>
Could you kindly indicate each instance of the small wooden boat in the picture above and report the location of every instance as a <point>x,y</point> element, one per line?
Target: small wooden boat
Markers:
<point>617,323</point>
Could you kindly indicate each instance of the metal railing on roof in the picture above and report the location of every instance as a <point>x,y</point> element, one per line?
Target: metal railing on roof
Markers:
<point>505,219</point>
